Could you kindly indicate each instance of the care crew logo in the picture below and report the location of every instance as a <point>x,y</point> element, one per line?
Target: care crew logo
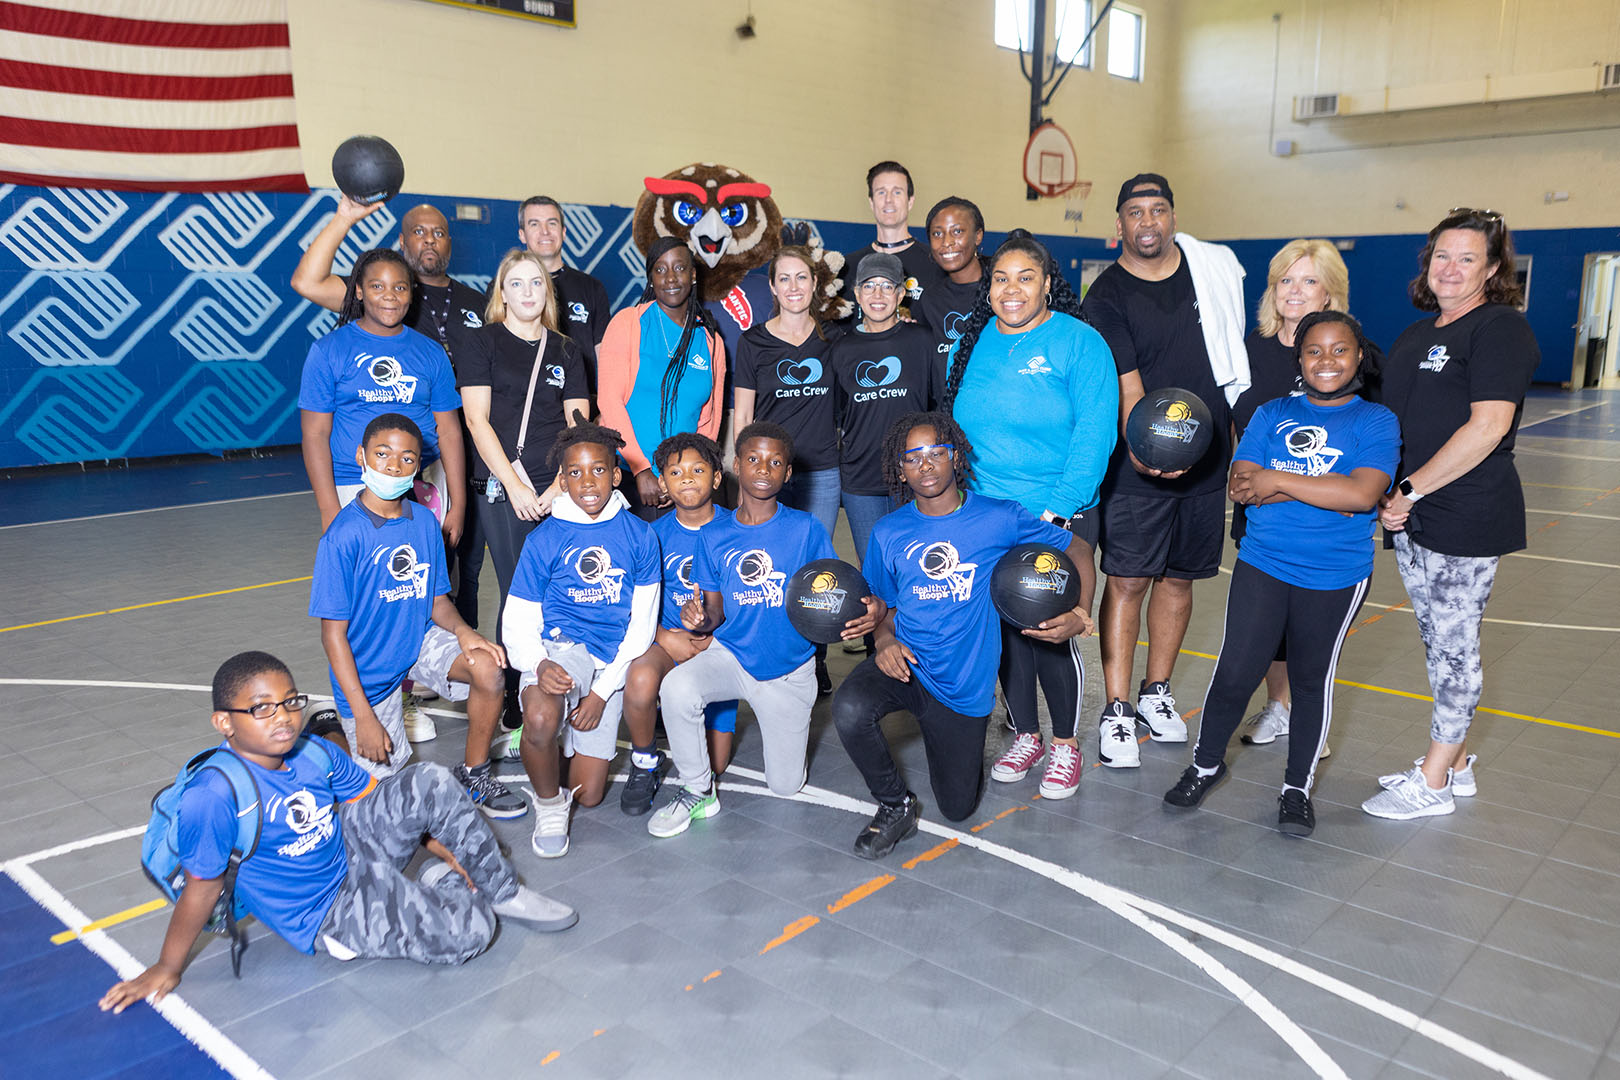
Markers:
<point>306,817</point>
<point>1436,361</point>
<point>875,373</point>
<point>1038,365</point>
<point>824,595</point>
<point>761,580</point>
<point>403,567</point>
<point>793,372</point>
<point>554,376</point>
<point>392,382</point>
<point>604,582</point>
<point>577,312</point>
<point>955,323</point>
<point>1307,443</point>
<point>1175,420</point>
<point>679,567</point>
<point>949,577</point>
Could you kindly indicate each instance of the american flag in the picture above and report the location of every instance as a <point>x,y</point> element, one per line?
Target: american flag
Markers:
<point>148,95</point>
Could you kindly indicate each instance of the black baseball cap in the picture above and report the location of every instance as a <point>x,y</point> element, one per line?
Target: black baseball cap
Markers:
<point>1159,185</point>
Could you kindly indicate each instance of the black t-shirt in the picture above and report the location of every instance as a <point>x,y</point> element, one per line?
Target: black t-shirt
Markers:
<point>880,377</point>
<point>502,361</point>
<point>942,311</point>
<point>1152,328</point>
<point>793,387</point>
<point>922,273</point>
<point>582,309</point>
<point>1433,376</point>
<point>448,314</point>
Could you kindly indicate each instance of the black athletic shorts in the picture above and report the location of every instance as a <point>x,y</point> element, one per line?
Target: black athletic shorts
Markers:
<point>1087,524</point>
<point>1146,536</point>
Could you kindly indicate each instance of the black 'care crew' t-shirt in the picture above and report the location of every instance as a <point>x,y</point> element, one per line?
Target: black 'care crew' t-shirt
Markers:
<point>942,311</point>
<point>502,361</point>
<point>880,377</point>
<point>1433,376</point>
<point>793,386</point>
<point>1152,328</point>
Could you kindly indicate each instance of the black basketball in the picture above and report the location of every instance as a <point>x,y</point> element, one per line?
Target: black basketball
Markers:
<point>1169,429</point>
<point>1033,583</point>
<point>368,169</point>
<point>822,596</point>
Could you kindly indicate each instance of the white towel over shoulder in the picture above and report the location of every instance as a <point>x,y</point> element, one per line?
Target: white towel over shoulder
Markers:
<point>1218,283</point>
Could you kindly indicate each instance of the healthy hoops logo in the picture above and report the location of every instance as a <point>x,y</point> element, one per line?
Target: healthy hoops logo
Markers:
<point>306,817</point>
<point>913,290</point>
<point>679,567</point>
<point>1308,445</point>
<point>759,576</point>
<point>577,312</point>
<point>1049,573</point>
<point>392,382</point>
<point>595,568</point>
<point>470,319</point>
<point>1175,420</point>
<point>554,375</point>
<point>1436,360</point>
<point>875,373</point>
<point>824,594</point>
<point>798,372</point>
<point>949,576</point>
<point>403,567</point>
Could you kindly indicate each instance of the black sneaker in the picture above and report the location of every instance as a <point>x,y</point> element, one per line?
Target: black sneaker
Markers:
<point>641,788</point>
<point>494,798</point>
<point>823,677</point>
<point>511,711</point>
<point>890,825</point>
<point>1295,815</point>
<point>1191,788</point>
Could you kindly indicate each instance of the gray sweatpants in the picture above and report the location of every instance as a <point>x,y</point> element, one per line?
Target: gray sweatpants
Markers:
<point>379,912</point>
<point>781,705</point>
<point>1448,593</point>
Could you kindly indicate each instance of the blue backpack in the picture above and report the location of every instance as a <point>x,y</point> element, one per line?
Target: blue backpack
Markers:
<point>160,848</point>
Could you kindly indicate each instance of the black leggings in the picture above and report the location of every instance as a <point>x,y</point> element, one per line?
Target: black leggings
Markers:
<point>505,533</point>
<point>1061,674</point>
<point>1261,612</point>
<point>954,742</point>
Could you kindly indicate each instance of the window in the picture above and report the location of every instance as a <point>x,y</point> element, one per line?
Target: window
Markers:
<point>1125,42</point>
<point>1073,19</point>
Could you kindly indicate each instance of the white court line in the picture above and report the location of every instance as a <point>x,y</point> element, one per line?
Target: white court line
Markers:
<point>1571,513</point>
<point>1538,452</point>
<point>1566,412</point>
<point>107,683</point>
<point>152,510</point>
<point>1555,558</point>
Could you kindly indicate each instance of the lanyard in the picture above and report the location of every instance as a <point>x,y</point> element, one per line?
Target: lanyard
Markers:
<point>440,319</point>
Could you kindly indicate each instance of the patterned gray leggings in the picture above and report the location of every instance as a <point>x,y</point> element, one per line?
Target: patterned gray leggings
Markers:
<point>382,913</point>
<point>1449,593</point>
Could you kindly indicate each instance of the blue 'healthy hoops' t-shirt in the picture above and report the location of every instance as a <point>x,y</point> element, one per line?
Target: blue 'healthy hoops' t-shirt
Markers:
<point>935,572</point>
<point>294,874</point>
<point>679,545</point>
<point>749,565</point>
<point>381,574</point>
<point>356,375</point>
<point>583,576</point>
<point>1293,541</point>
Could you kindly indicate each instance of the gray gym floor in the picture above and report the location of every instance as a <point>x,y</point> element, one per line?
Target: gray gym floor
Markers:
<point>1099,936</point>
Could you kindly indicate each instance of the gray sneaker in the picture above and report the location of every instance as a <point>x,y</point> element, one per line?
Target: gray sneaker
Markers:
<point>1265,726</point>
<point>551,826</point>
<point>535,911</point>
<point>491,796</point>
<point>1411,797</point>
<point>1463,783</point>
<point>687,806</point>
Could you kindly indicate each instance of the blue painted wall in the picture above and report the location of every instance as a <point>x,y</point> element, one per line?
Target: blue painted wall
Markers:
<point>142,325</point>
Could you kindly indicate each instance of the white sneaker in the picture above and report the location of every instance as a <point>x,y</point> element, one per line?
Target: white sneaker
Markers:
<point>535,911</point>
<point>1266,725</point>
<point>505,745</point>
<point>551,826</point>
<point>1157,709</point>
<point>419,727</point>
<point>1463,783</point>
<point>1117,747</point>
<point>1411,797</point>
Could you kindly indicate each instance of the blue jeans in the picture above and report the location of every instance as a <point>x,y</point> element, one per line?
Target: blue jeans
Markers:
<point>816,492</point>
<point>863,512</point>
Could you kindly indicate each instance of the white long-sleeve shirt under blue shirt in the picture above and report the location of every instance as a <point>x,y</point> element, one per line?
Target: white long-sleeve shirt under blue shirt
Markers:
<point>1041,408</point>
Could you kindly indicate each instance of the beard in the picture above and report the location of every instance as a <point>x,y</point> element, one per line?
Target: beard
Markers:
<point>425,261</point>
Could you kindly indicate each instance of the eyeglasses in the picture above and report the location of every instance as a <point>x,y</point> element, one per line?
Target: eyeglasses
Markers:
<point>938,454</point>
<point>264,710</point>
<point>885,288</point>
<point>1488,215</point>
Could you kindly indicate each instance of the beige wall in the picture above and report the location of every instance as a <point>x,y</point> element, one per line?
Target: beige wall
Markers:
<point>1348,174</point>
<point>479,104</point>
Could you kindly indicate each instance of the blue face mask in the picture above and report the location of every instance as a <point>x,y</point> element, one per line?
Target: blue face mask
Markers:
<point>385,487</point>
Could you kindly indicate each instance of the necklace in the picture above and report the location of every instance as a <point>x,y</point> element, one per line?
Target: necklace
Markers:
<point>663,332</point>
<point>891,245</point>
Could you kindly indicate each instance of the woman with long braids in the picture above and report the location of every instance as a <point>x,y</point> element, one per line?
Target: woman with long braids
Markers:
<point>661,369</point>
<point>1036,391</point>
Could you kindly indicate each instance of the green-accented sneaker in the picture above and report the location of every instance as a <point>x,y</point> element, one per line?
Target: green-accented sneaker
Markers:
<point>687,806</point>
<point>505,745</point>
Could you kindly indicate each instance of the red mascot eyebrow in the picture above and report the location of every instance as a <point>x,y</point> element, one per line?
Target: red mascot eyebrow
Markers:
<point>660,186</point>
<point>736,191</point>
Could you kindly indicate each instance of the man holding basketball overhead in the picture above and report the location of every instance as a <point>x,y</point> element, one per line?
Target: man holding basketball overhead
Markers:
<point>1171,310</point>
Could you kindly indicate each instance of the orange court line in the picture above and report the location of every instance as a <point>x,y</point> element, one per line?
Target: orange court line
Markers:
<point>998,817</point>
<point>154,603</point>
<point>931,854</point>
<point>789,932</point>
<point>711,976</point>
<point>857,894</point>
<point>549,1058</point>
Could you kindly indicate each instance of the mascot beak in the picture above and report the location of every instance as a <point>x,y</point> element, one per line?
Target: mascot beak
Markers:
<point>710,238</point>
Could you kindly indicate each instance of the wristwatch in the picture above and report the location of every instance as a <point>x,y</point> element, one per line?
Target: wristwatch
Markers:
<point>1060,522</point>
<point>1405,488</point>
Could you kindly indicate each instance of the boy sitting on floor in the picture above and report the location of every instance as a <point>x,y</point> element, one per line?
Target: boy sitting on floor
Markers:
<point>327,868</point>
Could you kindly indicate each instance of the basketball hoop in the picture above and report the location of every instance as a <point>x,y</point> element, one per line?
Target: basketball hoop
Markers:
<point>1051,166</point>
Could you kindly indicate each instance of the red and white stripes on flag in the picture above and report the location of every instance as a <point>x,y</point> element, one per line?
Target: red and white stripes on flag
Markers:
<point>148,95</point>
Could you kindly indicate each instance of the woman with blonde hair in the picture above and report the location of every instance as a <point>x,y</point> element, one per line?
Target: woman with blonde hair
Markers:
<point>1305,276</point>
